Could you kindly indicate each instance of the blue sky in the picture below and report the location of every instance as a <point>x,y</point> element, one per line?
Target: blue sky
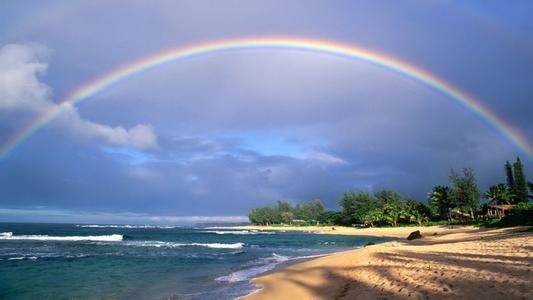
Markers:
<point>216,135</point>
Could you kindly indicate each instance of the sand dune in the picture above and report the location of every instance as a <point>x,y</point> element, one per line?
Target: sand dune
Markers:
<point>461,263</point>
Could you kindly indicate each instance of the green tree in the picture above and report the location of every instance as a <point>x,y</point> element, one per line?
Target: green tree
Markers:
<point>311,210</point>
<point>298,214</point>
<point>284,206</point>
<point>465,191</point>
<point>499,194</point>
<point>264,216</point>
<point>372,216</point>
<point>391,203</point>
<point>287,217</point>
<point>415,211</point>
<point>530,185</point>
<point>422,213</point>
<point>509,175</point>
<point>355,205</point>
<point>330,217</point>
<point>256,216</point>
<point>440,201</point>
<point>520,188</point>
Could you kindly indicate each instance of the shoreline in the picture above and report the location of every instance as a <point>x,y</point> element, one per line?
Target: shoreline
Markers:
<point>388,232</point>
<point>286,264</point>
<point>463,261</point>
<point>280,267</point>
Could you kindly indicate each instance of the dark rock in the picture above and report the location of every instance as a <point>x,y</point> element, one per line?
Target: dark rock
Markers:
<point>414,235</point>
<point>370,244</point>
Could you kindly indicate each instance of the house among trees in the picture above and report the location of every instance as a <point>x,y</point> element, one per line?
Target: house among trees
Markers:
<point>498,210</point>
<point>456,213</point>
<point>504,198</point>
<point>457,203</point>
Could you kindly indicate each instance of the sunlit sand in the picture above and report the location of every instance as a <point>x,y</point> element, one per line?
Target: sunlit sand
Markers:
<point>464,262</point>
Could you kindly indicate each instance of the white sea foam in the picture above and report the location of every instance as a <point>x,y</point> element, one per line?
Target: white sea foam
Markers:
<point>129,226</point>
<point>23,257</point>
<point>41,255</point>
<point>266,264</point>
<point>160,244</point>
<point>217,245</point>
<point>328,243</point>
<point>309,256</point>
<point>98,238</point>
<point>239,232</point>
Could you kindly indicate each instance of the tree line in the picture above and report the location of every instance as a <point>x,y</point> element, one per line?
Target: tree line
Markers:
<point>285,213</point>
<point>457,201</point>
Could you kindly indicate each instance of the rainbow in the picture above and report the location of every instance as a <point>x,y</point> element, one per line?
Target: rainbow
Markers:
<point>309,45</point>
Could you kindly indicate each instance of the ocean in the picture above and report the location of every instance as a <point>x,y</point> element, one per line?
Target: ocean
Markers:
<point>66,261</point>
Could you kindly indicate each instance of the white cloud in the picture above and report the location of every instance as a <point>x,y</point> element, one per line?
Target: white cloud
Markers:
<point>323,157</point>
<point>20,87</point>
<point>21,90</point>
<point>139,136</point>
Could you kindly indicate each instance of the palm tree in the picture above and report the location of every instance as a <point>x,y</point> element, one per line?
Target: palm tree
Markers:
<point>499,194</point>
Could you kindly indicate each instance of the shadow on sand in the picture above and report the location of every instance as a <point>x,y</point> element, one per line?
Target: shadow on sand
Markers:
<point>490,265</point>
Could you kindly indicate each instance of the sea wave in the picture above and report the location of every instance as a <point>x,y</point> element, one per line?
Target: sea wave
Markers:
<point>42,255</point>
<point>129,226</point>
<point>265,265</point>
<point>240,232</point>
<point>23,258</point>
<point>97,238</point>
<point>160,244</point>
<point>217,245</point>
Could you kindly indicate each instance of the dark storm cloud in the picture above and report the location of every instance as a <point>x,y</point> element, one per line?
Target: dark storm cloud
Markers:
<point>241,129</point>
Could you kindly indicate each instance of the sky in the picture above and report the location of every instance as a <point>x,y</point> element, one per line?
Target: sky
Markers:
<point>205,139</point>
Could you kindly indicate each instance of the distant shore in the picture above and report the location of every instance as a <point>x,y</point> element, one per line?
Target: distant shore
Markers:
<point>394,232</point>
<point>459,262</point>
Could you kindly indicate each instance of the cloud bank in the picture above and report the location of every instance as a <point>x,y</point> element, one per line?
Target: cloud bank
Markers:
<point>22,91</point>
<point>240,129</point>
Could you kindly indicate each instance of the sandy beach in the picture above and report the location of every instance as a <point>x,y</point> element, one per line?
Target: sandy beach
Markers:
<point>395,232</point>
<point>456,263</point>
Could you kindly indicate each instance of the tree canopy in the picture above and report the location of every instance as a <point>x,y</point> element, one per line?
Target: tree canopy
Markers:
<point>387,207</point>
<point>285,213</point>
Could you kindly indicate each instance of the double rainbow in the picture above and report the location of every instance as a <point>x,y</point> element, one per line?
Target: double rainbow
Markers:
<point>309,45</point>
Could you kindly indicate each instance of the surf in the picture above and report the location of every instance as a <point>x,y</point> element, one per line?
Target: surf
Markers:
<point>96,238</point>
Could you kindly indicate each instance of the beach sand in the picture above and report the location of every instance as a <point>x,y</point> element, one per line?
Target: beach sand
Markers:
<point>396,232</point>
<point>458,263</point>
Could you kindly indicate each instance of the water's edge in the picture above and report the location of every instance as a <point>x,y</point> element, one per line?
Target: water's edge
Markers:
<point>289,263</point>
<point>151,262</point>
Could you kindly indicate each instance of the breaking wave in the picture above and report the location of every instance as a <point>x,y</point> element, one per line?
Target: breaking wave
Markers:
<point>266,264</point>
<point>23,258</point>
<point>240,232</point>
<point>160,244</point>
<point>129,226</point>
<point>96,238</point>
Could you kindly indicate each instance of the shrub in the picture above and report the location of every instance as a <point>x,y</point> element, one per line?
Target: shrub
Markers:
<point>521,214</point>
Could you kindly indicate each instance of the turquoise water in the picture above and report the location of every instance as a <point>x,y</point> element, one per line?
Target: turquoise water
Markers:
<point>64,261</point>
